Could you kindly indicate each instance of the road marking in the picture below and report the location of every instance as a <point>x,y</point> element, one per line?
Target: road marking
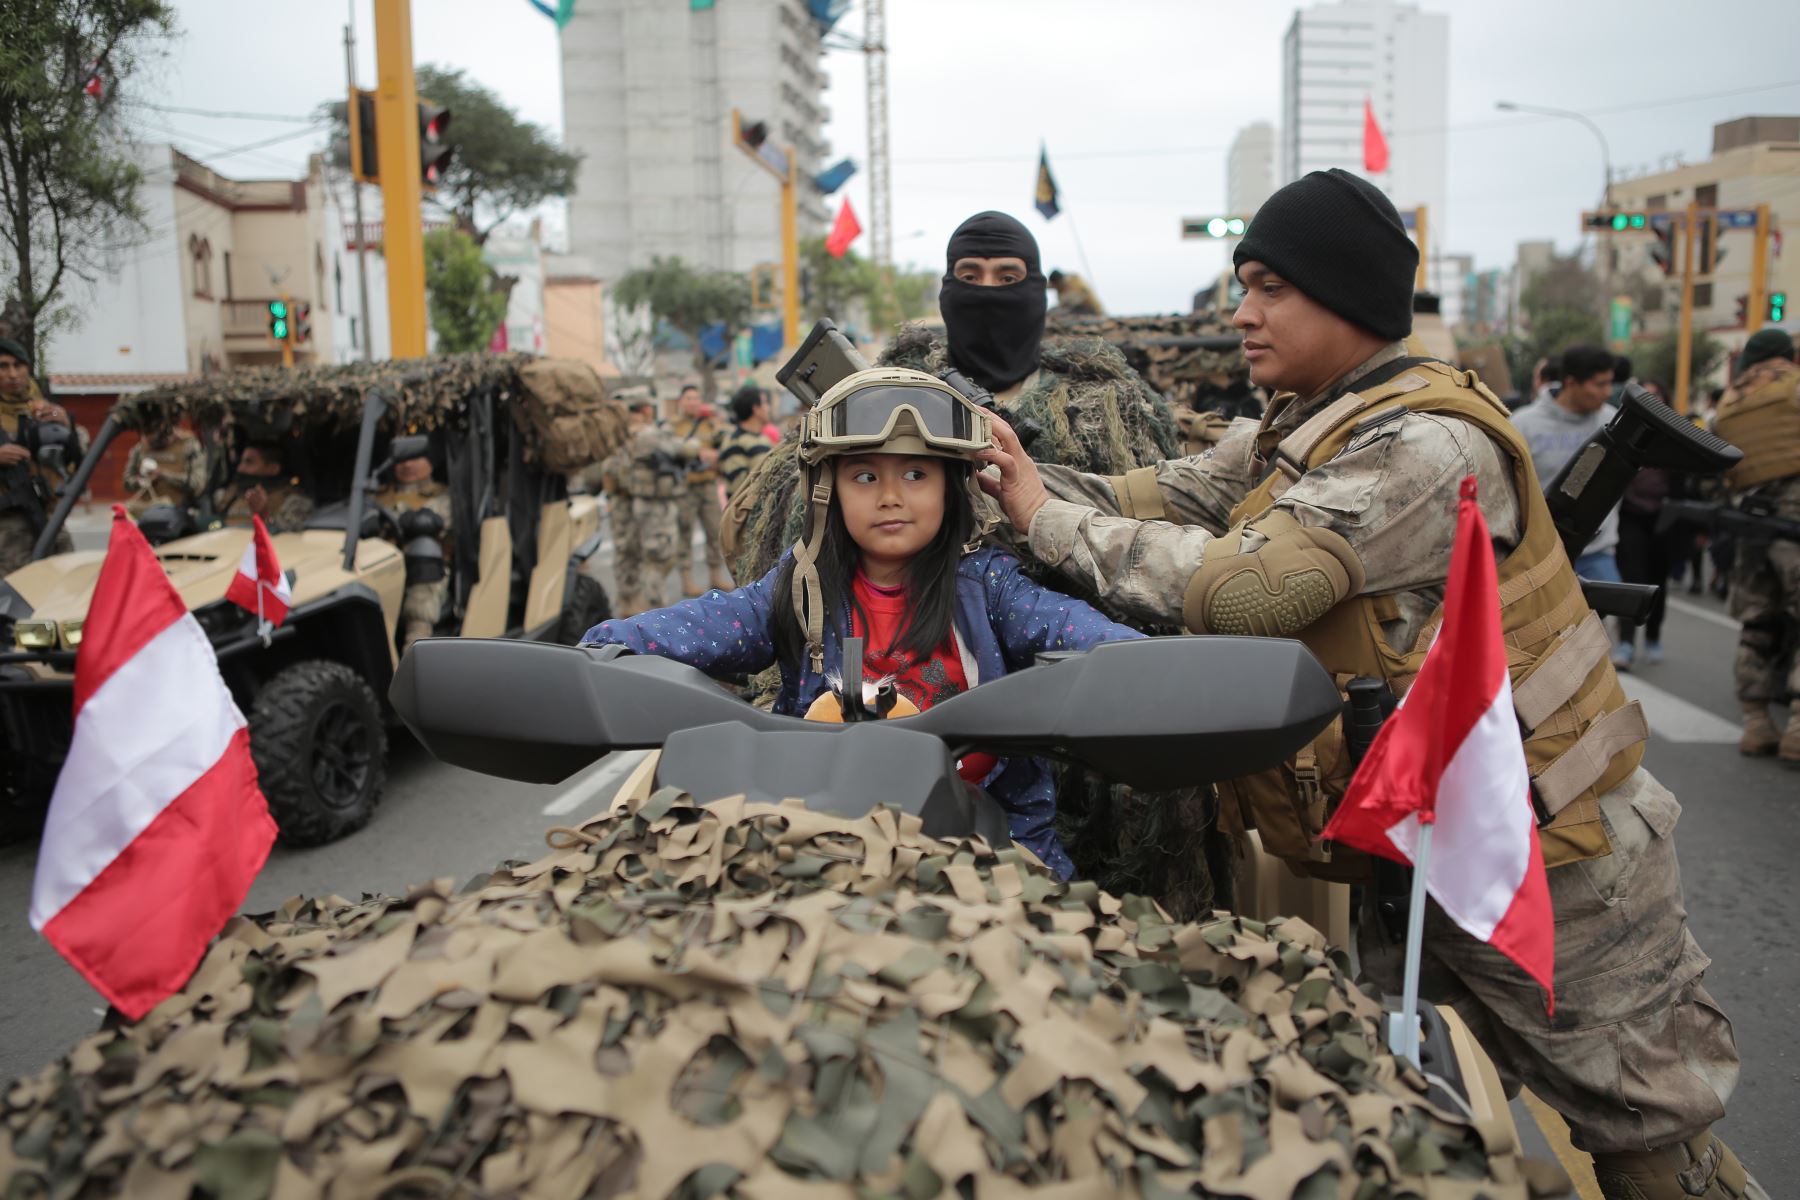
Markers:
<point>1676,720</point>
<point>1556,1131</point>
<point>1701,611</point>
<point>607,774</point>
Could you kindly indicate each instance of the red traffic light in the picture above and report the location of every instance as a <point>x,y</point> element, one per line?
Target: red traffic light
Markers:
<point>435,151</point>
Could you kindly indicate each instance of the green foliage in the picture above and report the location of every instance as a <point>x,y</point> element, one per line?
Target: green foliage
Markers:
<point>1655,359</point>
<point>688,300</point>
<point>840,285</point>
<point>465,308</point>
<point>68,182</point>
<point>1563,305</point>
<point>502,165</point>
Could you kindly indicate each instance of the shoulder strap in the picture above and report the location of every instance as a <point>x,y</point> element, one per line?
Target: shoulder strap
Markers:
<point>1295,450</point>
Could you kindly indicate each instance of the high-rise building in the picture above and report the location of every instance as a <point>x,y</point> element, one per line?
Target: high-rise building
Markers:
<point>648,89</point>
<point>1392,55</point>
<point>1250,169</point>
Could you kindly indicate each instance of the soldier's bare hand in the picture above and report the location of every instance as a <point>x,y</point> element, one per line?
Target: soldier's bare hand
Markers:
<point>44,411</point>
<point>1019,488</point>
<point>257,499</point>
<point>12,454</point>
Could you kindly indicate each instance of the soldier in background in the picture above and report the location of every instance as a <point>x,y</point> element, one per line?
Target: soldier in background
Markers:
<point>167,466</point>
<point>694,423</point>
<point>647,481</point>
<point>421,508</point>
<point>1760,415</point>
<point>27,483</point>
<point>1074,296</point>
<point>263,488</point>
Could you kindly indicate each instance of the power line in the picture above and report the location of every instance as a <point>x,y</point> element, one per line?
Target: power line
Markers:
<point>222,113</point>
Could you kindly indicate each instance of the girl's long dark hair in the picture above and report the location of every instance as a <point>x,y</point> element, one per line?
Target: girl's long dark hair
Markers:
<point>930,577</point>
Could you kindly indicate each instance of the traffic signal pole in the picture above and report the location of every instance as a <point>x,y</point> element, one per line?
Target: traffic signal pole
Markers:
<point>362,236</point>
<point>1684,349</point>
<point>1759,266</point>
<point>1419,231</point>
<point>397,133</point>
<point>790,260</point>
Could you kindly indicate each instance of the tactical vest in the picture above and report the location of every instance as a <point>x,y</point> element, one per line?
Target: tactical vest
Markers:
<point>410,495</point>
<point>654,472</point>
<point>170,483</point>
<point>703,431</point>
<point>1760,415</point>
<point>1582,737</point>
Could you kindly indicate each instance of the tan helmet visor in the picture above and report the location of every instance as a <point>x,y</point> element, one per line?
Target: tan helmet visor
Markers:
<point>873,416</point>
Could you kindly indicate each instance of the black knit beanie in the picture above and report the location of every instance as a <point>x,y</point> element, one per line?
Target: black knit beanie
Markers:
<point>1335,236</point>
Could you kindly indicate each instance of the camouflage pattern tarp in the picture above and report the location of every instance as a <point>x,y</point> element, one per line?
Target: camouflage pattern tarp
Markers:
<point>1194,360</point>
<point>748,1001</point>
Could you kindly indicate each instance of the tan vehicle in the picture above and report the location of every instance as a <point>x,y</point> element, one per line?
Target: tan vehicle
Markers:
<point>313,690</point>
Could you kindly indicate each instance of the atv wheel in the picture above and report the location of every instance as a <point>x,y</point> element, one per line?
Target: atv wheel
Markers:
<point>320,750</point>
<point>587,607</point>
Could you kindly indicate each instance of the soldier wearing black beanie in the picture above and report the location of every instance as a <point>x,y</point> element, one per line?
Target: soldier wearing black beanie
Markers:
<point>1337,238</point>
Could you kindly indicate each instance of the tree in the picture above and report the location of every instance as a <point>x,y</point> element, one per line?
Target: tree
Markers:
<point>1655,359</point>
<point>689,301</point>
<point>68,182</point>
<point>839,285</point>
<point>1562,305</point>
<point>502,165</point>
<point>465,309</point>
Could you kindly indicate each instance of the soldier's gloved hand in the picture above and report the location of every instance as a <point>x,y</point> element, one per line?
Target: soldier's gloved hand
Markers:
<point>1018,488</point>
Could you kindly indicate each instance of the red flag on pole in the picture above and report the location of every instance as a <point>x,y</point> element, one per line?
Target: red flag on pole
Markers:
<point>1452,757</point>
<point>157,827</point>
<point>1375,150</point>
<point>844,230</point>
<point>259,584</point>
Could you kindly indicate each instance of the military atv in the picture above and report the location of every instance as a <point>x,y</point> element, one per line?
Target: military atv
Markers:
<point>312,690</point>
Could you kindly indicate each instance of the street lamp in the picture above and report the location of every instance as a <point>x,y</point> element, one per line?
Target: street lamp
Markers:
<point>1605,151</point>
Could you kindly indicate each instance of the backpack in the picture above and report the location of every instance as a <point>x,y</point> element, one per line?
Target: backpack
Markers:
<point>568,421</point>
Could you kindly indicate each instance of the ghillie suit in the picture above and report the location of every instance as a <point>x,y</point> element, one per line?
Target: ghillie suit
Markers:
<point>749,1001</point>
<point>1196,360</point>
<point>1090,412</point>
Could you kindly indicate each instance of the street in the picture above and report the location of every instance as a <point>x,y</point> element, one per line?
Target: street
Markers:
<point>1738,839</point>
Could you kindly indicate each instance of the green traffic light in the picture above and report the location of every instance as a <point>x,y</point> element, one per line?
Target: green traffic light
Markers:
<point>277,309</point>
<point>1637,220</point>
<point>279,329</point>
<point>1620,221</point>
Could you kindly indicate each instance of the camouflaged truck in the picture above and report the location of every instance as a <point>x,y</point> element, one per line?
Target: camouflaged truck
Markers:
<point>313,690</point>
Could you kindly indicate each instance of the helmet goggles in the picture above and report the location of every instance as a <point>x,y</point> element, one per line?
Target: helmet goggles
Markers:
<point>904,411</point>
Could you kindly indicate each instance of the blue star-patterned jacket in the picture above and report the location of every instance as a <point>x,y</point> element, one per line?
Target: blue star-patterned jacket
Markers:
<point>1003,621</point>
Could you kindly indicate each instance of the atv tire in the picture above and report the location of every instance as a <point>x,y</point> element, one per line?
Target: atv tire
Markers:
<point>588,606</point>
<point>320,751</point>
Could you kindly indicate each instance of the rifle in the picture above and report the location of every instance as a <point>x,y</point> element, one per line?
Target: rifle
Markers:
<point>1753,519</point>
<point>21,487</point>
<point>1369,703</point>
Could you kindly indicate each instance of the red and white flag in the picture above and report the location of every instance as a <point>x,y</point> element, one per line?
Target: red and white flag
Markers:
<point>844,230</point>
<point>259,584</point>
<point>1375,150</point>
<point>157,827</point>
<point>1452,755</point>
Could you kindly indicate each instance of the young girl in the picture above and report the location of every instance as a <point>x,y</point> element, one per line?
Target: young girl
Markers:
<point>891,553</point>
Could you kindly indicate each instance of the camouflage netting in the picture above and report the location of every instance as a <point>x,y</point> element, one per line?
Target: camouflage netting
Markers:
<point>423,394</point>
<point>747,1001</point>
<point>1181,357</point>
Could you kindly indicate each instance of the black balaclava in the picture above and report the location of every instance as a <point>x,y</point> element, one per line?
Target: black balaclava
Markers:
<point>994,332</point>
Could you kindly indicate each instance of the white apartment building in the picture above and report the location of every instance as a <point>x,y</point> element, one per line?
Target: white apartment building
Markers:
<point>648,90</point>
<point>1396,56</point>
<point>1250,169</point>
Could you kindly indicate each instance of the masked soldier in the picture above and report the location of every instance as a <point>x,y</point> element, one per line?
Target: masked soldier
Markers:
<point>421,508</point>
<point>700,502</point>
<point>39,449</point>
<point>264,488</point>
<point>648,481</point>
<point>167,466</point>
<point>1342,539</point>
<point>1760,415</point>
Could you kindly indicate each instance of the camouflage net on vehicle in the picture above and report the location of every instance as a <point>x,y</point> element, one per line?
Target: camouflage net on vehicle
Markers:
<point>750,1001</point>
<point>423,395</point>
<point>1180,356</point>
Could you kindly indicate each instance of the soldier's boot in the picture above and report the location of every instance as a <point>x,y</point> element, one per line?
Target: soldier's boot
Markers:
<point>1759,738</point>
<point>687,580</point>
<point>1701,1168</point>
<point>1790,737</point>
<point>721,579</point>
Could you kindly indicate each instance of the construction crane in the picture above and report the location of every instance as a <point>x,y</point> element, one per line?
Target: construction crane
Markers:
<point>874,49</point>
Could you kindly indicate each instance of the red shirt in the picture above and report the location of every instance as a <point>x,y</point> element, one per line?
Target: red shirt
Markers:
<point>926,682</point>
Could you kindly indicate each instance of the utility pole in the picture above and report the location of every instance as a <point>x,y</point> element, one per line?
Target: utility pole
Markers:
<point>397,134</point>
<point>1759,267</point>
<point>362,237</point>
<point>1420,229</point>
<point>1684,349</point>
<point>287,339</point>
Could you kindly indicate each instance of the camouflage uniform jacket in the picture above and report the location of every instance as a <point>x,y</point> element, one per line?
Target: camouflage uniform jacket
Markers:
<point>15,412</point>
<point>650,464</point>
<point>286,512</point>
<point>179,477</point>
<point>426,493</point>
<point>1391,494</point>
<point>696,432</point>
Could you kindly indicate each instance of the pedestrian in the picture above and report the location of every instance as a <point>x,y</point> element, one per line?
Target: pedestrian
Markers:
<point>695,423</point>
<point>1760,415</point>
<point>1643,557</point>
<point>1546,379</point>
<point>29,477</point>
<point>748,440</point>
<point>1344,543</point>
<point>1558,427</point>
<point>886,556</point>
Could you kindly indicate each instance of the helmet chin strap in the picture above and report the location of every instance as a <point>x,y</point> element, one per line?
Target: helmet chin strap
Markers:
<point>807,594</point>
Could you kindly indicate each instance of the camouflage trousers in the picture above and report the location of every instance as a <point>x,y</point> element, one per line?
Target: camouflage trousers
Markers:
<point>1765,596</point>
<point>420,607</point>
<point>1637,1055</point>
<point>700,506</point>
<point>646,534</point>
<point>17,537</point>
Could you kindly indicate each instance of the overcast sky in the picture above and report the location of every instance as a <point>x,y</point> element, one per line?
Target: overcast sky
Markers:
<point>1137,101</point>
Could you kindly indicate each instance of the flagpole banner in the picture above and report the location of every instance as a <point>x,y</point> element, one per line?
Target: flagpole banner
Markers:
<point>1046,202</point>
<point>157,826</point>
<point>1375,147</point>
<point>844,230</point>
<point>1453,755</point>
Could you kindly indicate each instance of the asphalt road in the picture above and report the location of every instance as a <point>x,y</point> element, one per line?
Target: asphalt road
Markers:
<point>1739,838</point>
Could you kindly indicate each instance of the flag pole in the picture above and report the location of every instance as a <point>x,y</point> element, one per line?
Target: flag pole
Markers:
<point>1405,1039</point>
<point>1081,252</point>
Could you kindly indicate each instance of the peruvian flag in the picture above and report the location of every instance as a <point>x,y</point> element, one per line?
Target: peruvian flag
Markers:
<point>157,827</point>
<point>259,584</point>
<point>1375,152</point>
<point>1452,756</point>
<point>844,230</point>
